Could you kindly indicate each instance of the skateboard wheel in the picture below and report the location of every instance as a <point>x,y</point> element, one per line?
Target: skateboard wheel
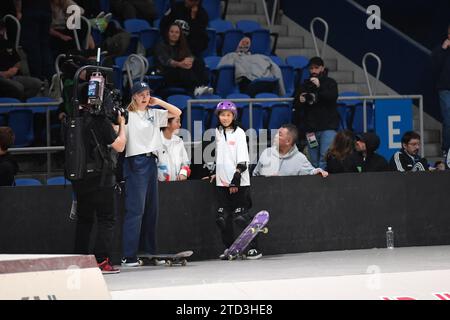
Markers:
<point>252,230</point>
<point>230,258</point>
<point>265,230</point>
<point>169,263</point>
<point>184,262</point>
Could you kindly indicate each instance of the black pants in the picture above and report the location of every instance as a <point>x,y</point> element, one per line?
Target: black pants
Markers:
<point>228,205</point>
<point>99,203</point>
<point>188,79</point>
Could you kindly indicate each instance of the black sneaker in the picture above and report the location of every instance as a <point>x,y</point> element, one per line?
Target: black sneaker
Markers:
<point>132,262</point>
<point>253,254</point>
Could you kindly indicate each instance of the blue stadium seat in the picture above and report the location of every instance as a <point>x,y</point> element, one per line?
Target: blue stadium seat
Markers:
<point>27,182</point>
<point>161,7</point>
<point>58,181</point>
<point>21,121</point>
<point>289,79</point>
<point>212,43</point>
<point>4,110</point>
<point>179,100</point>
<point>280,113</point>
<point>279,61</point>
<point>267,106</point>
<point>211,62</point>
<point>347,108</point>
<point>149,38</point>
<point>118,71</point>
<point>247,26</point>
<point>300,65</point>
<point>220,25</point>
<point>231,40</point>
<point>225,81</point>
<point>239,96</point>
<point>43,100</point>
<point>213,9</point>
<point>208,108</point>
<point>258,117</point>
<point>136,25</point>
<point>261,42</point>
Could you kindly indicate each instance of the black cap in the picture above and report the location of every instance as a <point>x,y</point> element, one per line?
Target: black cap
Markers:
<point>316,61</point>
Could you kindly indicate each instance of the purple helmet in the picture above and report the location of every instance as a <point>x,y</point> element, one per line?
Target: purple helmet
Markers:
<point>226,105</point>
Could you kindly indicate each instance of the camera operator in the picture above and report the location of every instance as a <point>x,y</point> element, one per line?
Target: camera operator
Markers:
<point>96,192</point>
<point>316,102</point>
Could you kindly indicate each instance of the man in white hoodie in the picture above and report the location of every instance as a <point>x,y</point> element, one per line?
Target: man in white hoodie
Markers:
<point>284,159</point>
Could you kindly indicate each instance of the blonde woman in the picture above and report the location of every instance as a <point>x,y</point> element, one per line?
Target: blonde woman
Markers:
<point>141,173</point>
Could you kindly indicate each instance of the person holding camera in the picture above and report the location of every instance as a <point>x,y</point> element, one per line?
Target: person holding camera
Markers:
<point>96,192</point>
<point>141,173</point>
<point>316,102</point>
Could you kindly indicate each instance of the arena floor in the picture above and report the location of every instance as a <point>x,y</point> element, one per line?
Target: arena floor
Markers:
<point>402,273</point>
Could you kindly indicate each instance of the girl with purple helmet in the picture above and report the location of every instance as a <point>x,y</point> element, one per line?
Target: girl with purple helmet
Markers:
<point>232,177</point>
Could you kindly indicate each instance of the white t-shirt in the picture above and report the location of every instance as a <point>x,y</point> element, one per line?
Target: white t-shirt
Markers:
<point>230,152</point>
<point>143,131</point>
<point>172,159</point>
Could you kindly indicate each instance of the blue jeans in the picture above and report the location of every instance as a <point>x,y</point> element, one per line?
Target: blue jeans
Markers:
<point>444,97</point>
<point>141,205</point>
<point>317,155</point>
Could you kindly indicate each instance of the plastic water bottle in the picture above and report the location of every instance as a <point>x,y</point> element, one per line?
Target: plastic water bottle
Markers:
<point>390,238</point>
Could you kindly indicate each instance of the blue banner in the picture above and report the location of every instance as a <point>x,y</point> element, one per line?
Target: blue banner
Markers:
<point>392,119</point>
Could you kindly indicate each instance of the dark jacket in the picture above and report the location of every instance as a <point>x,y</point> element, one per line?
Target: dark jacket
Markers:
<point>164,53</point>
<point>346,165</point>
<point>322,115</point>
<point>402,161</point>
<point>8,169</point>
<point>441,68</point>
<point>373,162</point>
<point>198,37</point>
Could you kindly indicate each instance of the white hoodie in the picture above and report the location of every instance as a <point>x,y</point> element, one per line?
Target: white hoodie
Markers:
<point>172,159</point>
<point>294,163</point>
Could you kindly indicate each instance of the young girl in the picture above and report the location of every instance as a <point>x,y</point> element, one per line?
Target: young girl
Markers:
<point>232,178</point>
<point>173,161</point>
<point>140,172</point>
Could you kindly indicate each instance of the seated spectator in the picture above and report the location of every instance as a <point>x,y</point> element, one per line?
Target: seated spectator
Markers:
<point>173,161</point>
<point>134,9</point>
<point>284,159</point>
<point>62,39</point>
<point>194,18</point>
<point>177,64</point>
<point>249,67</point>
<point>8,167</point>
<point>340,157</point>
<point>12,84</point>
<point>366,158</point>
<point>408,159</point>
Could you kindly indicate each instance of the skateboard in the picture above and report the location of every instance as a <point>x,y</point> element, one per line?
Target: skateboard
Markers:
<point>171,259</point>
<point>257,225</point>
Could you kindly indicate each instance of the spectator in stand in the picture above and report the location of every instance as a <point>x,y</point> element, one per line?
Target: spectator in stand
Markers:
<point>173,160</point>
<point>441,68</point>
<point>340,158</point>
<point>134,9</point>
<point>249,67</point>
<point>8,167</point>
<point>408,159</point>
<point>12,84</point>
<point>366,158</point>
<point>36,17</point>
<point>177,64</point>
<point>62,39</point>
<point>194,19</point>
<point>316,101</point>
<point>284,159</point>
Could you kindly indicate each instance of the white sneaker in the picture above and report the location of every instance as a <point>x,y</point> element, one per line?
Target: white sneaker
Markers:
<point>199,91</point>
<point>253,254</point>
<point>131,263</point>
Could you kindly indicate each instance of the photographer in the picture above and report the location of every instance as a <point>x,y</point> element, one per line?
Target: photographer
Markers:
<point>95,192</point>
<point>316,102</point>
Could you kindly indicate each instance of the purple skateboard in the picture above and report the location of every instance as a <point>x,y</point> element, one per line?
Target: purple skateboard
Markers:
<point>256,226</point>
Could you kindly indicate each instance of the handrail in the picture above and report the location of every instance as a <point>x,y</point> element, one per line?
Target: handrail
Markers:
<point>88,33</point>
<point>19,29</point>
<point>142,71</point>
<point>270,19</point>
<point>313,33</point>
<point>372,90</point>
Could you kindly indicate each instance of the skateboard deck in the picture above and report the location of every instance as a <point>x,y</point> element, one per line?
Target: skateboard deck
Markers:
<point>170,258</point>
<point>257,225</point>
